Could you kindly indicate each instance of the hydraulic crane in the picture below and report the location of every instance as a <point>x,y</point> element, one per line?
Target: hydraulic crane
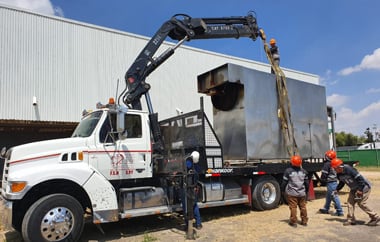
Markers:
<point>182,28</point>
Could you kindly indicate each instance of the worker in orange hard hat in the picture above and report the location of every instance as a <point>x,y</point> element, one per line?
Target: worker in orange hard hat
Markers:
<point>272,42</point>
<point>360,189</point>
<point>295,185</point>
<point>330,178</point>
<point>274,52</point>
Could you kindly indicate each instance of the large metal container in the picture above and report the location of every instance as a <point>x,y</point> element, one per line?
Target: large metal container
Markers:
<point>246,119</point>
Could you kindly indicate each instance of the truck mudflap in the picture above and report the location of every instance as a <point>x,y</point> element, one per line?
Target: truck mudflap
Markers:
<point>6,216</point>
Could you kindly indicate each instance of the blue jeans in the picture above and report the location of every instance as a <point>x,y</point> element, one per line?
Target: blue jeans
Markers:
<point>197,214</point>
<point>331,186</point>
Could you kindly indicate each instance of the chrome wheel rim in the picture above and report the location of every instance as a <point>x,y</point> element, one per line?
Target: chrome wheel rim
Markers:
<point>57,224</point>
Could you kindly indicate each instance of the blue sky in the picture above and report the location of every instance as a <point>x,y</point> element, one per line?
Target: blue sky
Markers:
<point>337,40</point>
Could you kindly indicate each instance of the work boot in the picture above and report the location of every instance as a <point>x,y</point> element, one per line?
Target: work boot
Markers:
<point>338,214</point>
<point>294,225</point>
<point>374,221</point>
<point>347,223</point>
<point>324,211</point>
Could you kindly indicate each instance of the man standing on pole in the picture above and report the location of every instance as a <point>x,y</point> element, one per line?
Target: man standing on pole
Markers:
<point>275,53</point>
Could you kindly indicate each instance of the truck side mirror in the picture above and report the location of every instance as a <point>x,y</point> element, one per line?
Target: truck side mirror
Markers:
<point>120,122</point>
<point>120,125</point>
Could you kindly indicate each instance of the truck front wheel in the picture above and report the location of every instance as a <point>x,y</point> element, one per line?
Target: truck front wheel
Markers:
<point>266,193</point>
<point>57,217</point>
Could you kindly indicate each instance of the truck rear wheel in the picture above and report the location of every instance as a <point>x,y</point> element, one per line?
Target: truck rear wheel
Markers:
<point>57,217</point>
<point>266,193</point>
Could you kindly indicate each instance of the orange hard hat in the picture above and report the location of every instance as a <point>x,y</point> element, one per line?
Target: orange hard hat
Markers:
<point>330,154</point>
<point>272,41</point>
<point>336,162</point>
<point>296,160</point>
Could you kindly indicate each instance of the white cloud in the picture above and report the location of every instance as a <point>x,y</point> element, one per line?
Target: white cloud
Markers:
<point>327,79</point>
<point>40,6</point>
<point>373,90</point>
<point>353,122</point>
<point>336,100</point>
<point>369,62</point>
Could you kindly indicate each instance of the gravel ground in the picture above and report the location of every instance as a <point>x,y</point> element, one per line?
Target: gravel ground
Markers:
<point>239,223</point>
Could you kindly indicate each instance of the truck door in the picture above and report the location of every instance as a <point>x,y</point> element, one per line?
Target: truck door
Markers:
<point>126,157</point>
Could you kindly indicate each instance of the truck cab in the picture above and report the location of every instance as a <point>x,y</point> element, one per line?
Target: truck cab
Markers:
<point>73,176</point>
<point>124,154</point>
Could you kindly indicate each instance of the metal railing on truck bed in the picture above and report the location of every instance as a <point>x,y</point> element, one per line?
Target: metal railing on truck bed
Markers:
<point>193,131</point>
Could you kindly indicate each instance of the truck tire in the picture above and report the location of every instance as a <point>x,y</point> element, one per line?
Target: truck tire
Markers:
<point>57,217</point>
<point>266,193</point>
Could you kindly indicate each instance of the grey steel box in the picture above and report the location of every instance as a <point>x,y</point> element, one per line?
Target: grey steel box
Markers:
<point>213,191</point>
<point>250,129</point>
<point>232,190</point>
<point>142,199</point>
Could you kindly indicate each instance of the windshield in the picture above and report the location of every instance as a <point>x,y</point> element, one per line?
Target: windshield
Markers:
<point>87,125</point>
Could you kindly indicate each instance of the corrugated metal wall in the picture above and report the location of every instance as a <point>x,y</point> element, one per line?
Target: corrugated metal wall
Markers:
<point>69,66</point>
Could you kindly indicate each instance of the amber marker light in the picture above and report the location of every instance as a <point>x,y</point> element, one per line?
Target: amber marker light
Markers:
<point>80,155</point>
<point>18,186</point>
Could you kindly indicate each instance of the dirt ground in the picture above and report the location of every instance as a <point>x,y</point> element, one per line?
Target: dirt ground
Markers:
<point>239,223</point>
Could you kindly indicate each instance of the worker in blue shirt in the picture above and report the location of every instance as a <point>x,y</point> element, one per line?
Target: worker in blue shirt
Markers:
<point>192,168</point>
<point>330,177</point>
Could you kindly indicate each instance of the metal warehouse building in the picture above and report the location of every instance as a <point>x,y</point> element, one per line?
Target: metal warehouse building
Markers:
<point>52,68</point>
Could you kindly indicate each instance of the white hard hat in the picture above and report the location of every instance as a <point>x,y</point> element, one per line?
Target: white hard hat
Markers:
<point>195,156</point>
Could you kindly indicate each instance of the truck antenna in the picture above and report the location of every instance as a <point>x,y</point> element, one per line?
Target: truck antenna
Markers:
<point>117,89</point>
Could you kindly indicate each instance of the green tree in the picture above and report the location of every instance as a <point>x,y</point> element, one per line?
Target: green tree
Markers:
<point>343,139</point>
<point>362,139</point>
<point>340,139</point>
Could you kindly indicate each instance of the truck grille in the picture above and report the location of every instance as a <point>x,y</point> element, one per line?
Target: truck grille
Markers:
<point>4,173</point>
<point>5,169</point>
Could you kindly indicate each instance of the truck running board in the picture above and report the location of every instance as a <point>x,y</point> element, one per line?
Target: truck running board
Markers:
<point>243,200</point>
<point>145,211</point>
<point>167,209</point>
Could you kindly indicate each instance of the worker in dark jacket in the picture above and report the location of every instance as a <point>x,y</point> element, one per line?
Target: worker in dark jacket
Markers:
<point>191,195</point>
<point>360,189</point>
<point>274,52</point>
<point>329,176</point>
<point>295,184</point>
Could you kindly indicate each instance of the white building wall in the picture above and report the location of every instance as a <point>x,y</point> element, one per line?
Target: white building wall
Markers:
<point>69,66</point>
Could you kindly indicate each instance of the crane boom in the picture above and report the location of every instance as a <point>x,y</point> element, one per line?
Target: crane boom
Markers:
<point>182,28</point>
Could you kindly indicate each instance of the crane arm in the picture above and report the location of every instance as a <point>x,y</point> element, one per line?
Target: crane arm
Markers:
<point>181,28</point>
